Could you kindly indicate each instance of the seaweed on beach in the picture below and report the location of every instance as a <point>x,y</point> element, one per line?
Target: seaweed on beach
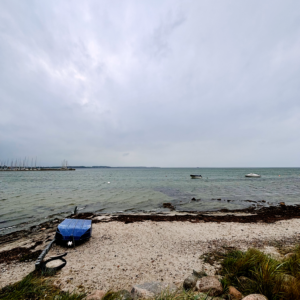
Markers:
<point>20,253</point>
<point>30,256</point>
<point>270,214</point>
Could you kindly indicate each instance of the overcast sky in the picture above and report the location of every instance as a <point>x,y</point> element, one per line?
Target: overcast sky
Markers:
<point>163,83</point>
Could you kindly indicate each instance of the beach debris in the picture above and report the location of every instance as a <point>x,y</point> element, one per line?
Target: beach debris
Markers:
<point>70,243</point>
<point>210,285</point>
<point>151,289</point>
<point>235,293</point>
<point>255,297</point>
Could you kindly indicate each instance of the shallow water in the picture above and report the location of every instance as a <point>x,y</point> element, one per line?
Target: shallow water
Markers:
<point>27,198</point>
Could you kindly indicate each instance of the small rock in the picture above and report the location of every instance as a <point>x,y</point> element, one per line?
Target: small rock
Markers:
<point>96,295</point>
<point>282,204</point>
<point>190,282</point>
<point>235,293</point>
<point>210,285</point>
<point>255,297</point>
<point>151,289</point>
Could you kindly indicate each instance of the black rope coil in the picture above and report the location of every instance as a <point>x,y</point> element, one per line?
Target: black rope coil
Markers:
<point>46,269</point>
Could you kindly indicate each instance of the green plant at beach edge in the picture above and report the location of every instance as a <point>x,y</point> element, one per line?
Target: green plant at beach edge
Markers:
<point>253,272</point>
<point>36,286</point>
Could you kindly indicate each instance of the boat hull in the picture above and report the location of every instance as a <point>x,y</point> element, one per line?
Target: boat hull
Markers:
<point>196,176</point>
<point>74,230</point>
<point>252,176</point>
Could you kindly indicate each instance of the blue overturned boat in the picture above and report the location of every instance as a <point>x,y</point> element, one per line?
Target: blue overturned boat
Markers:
<point>71,231</point>
<point>74,230</point>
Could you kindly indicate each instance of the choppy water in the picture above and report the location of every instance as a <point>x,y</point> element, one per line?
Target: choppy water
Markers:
<point>27,198</point>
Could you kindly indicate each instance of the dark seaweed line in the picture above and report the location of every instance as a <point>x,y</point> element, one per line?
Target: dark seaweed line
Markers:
<point>265,215</point>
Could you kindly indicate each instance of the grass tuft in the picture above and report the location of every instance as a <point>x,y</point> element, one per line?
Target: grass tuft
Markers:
<point>253,272</point>
<point>36,287</point>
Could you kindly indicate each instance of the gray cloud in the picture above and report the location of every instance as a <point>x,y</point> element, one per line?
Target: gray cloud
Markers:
<point>166,83</point>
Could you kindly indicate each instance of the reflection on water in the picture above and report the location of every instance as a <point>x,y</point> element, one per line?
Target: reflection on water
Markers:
<point>33,196</point>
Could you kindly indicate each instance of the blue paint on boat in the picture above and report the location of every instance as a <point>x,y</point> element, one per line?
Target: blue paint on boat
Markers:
<point>74,230</point>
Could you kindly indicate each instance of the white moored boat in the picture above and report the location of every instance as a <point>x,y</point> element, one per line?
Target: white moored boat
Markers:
<point>252,175</point>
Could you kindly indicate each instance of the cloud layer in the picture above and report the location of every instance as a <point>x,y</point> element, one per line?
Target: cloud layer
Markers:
<point>158,83</point>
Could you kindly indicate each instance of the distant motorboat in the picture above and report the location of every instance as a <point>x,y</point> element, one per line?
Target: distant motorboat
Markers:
<point>196,176</point>
<point>252,175</point>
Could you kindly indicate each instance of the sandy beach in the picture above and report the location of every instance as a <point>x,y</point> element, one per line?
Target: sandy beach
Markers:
<point>120,255</point>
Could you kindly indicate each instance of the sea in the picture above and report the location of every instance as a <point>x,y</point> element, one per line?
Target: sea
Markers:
<point>32,197</point>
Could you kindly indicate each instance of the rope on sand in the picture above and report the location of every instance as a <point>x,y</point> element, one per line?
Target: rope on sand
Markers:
<point>41,265</point>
